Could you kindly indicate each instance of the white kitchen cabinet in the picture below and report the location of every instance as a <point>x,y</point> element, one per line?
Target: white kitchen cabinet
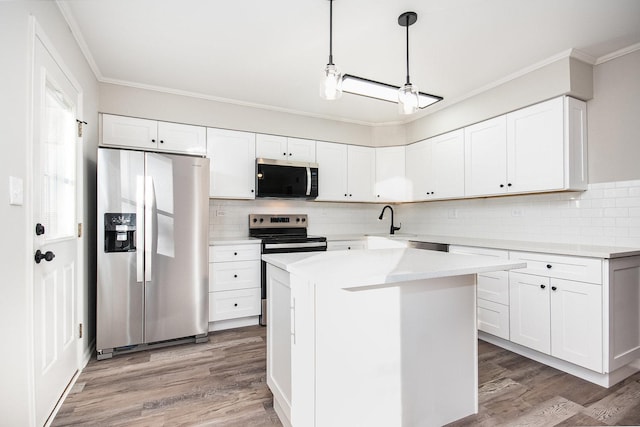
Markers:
<point>492,293</point>
<point>152,135</point>
<point>534,149</point>
<point>435,167</point>
<point>559,317</point>
<point>234,281</point>
<point>346,245</point>
<point>391,182</point>
<point>233,168</point>
<point>345,172</point>
<point>285,148</point>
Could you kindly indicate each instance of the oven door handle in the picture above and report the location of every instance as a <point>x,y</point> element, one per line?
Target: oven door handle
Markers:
<point>268,246</point>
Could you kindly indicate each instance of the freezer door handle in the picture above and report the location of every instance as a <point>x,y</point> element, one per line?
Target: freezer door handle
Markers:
<point>140,233</point>
<point>149,202</point>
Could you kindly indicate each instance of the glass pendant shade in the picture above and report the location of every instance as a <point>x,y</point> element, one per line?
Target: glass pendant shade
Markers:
<point>331,83</point>
<point>408,99</point>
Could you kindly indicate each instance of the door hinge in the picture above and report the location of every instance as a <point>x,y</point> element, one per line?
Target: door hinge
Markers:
<point>80,330</point>
<point>79,229</point>
<point>80,123</point>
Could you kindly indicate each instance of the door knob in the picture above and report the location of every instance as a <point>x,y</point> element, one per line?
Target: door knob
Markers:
<point>47,256</point>
<point>39,229</point>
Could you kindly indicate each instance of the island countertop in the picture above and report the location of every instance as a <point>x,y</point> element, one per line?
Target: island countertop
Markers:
<point>375,267</point>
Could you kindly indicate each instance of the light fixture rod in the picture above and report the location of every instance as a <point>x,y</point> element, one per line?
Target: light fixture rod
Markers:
<point>331,32</point>
<point>407,25</point>
<point>406,20</point>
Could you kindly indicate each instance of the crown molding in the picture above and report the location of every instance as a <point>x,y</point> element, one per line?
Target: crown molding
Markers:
<point>618,53</point>
<point>77,34</point>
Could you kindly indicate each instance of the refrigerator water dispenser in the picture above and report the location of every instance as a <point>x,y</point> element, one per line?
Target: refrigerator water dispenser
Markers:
<point>119,232</point>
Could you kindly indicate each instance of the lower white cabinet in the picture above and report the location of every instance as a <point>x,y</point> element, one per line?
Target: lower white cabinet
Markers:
<point>559,317</point>
<point>234,281</point>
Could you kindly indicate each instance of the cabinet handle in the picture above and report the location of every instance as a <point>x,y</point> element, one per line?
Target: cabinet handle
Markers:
<point>235,304</point>
<point>553,288</point>
<point>235,276</point>
<point>284,154</point>
<point>548,265</point>
<point>235,253</point>
<point>501,185</point>
<point>290,154</point>
<point>161,141</point>
<point>378,195</point>
<point>153,140</point>
<point>252,190</point>
<point>349,248</point>
<point>350,195</point>
<point>543,286</point>
<point>345,194</point>
<point>509,185</point>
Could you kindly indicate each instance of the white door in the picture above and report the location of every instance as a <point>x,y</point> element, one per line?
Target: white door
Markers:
<point>233,163</point>
<point>535,147</point>
<point>485,150</point>
<point>529,312</point>
<point>361,173</point>
<point>55,143</point>
<point>448,165</point>
<point>332,171</point>
<point>576,323</point>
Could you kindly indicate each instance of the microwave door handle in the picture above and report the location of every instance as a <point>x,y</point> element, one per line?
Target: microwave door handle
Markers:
<point>308,181</point>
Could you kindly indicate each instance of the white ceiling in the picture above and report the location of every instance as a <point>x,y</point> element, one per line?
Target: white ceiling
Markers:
<point>272,53</point>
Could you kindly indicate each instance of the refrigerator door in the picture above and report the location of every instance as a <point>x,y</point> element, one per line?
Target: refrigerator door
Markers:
<point>120,286</point>
<point>176,246</point>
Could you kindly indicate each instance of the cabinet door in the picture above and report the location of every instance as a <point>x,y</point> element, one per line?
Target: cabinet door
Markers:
<point>129,132</point>
<point>271,147</point>
<point>535,147</point>
<point>529,311</point>
<point>361,173</point>
<point>485,150</point>
<point>576,323</point>
<point>302,150</point>
<point>179,138</point>
<point>493,318</point>
<point>332,171</point>
<point>418,168</point>
<point>232,155</point>
<point>447,165</point>
<point>390,174</point>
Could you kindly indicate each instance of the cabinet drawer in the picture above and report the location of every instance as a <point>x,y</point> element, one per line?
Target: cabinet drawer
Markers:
<point>493,318</point>
<point>560,266</point>
<point>346,245</point>
<point>227,276</point>
<point>233,304</point>
<point>223,253</point>
<point>494,287</point>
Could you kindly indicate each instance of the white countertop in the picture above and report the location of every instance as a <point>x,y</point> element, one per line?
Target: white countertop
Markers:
<point>370,267</point>
<point>593,251</point>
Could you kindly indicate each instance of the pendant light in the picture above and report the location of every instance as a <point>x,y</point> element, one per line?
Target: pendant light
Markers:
<point>331,83</point>
<point>408,95</point>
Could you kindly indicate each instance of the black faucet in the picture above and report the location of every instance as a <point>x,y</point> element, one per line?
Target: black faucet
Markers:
<point>392,229</point>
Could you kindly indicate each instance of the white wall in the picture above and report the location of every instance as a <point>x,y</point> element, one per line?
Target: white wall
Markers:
<point>614,120</point>
<point>15,254</point>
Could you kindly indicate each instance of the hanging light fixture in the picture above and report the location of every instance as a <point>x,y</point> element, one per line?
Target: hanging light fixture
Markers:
<point>408,101</point>
<point>331,83</point>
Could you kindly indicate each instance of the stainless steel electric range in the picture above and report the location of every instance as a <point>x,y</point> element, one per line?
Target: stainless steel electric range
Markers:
<point>282,234</point>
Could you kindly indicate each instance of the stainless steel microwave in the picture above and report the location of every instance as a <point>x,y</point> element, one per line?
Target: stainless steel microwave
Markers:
<point>284,179</point>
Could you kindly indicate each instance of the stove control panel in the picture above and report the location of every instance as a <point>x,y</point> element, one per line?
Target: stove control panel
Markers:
<point>277,221</point>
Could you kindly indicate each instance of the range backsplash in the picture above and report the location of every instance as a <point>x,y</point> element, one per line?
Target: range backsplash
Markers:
<point>605,214</point>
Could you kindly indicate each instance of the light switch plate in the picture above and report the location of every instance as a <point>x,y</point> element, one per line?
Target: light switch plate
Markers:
<point>16,192</point>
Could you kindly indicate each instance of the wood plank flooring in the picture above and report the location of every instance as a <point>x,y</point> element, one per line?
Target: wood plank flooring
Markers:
<point>222,383</point>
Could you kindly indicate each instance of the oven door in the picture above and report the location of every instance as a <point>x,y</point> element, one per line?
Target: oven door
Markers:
<point>282,248</point>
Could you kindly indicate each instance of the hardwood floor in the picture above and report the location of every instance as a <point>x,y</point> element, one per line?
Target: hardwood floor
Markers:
<point>222,383</point>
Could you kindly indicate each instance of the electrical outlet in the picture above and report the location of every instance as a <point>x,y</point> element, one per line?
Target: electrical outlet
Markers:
<point>221,213</point>
<point>517,212</point>
<point>453,213</point>
<point>16,191</point>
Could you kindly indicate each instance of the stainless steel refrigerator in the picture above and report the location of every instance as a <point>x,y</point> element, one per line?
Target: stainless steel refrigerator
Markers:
<point>152,263</point>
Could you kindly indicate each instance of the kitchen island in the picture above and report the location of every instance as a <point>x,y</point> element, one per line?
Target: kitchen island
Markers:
<point>381,337</point>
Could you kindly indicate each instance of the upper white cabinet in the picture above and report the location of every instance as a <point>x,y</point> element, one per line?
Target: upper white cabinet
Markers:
<point>345,172</point>
<point>391,182</point>
<point>435,167</point>
<point>539,148</point>
<point>284,148</point>
<point>153,135</point>
<point>233,157</point>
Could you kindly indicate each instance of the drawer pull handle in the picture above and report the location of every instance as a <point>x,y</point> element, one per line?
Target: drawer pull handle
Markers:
<point>235,304</point>
<point>548,265</point>
<point>235,253</point>
<point>235,275</point>
<point>543,286</point>
<point>553,288</point>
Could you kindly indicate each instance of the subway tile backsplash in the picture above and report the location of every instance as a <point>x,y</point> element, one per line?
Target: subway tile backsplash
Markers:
<point>605,214</point>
